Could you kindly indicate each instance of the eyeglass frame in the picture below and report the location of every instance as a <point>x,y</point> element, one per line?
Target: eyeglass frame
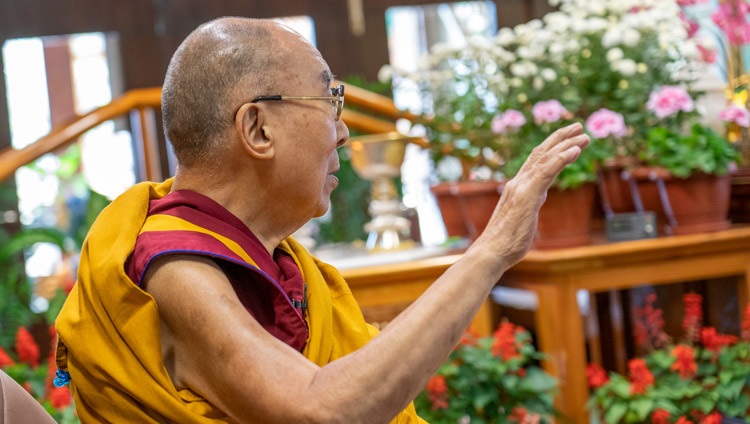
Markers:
<point>336,98</point>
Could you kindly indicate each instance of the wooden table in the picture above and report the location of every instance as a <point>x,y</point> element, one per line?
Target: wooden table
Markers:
<point>557,275</point>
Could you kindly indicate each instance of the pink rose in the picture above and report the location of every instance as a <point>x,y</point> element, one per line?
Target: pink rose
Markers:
<point>604,123</point>
<point>509,121</point>
<point>669,100</point>
<point>736,114</point>
<point>548,111</point>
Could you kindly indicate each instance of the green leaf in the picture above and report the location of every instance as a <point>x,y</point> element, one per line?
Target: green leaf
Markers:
<point>620,386</point>
<point>27,238</point>
<point>615,412</point>
<point>642,407</point>
<point>537,380</point>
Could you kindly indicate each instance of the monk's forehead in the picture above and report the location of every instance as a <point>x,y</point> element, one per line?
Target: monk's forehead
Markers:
<point>302,61</point>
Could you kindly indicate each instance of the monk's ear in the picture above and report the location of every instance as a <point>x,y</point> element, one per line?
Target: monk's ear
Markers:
<point>254,131</point>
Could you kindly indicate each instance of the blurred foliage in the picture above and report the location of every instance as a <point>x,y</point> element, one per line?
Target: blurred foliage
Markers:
<point>15,289</point>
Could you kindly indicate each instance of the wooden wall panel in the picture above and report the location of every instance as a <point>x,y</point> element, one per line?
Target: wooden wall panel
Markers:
<point>150,30</point>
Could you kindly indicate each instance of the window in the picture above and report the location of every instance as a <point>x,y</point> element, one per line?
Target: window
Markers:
<point>412,31</point>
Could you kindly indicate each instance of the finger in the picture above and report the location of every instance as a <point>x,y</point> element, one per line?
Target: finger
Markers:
<point>567,149</point>
<point>561,135</point>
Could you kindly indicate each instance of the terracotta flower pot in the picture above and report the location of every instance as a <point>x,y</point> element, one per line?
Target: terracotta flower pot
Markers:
<point>616,194</point>
<point>466,207</point>
<point>699,203</point>
<point>565,218</point>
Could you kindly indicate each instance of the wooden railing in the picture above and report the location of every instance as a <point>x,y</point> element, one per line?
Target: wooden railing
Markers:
<point>373,114</point>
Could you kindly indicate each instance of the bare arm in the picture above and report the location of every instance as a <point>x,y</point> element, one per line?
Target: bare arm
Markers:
<point>215,348</point>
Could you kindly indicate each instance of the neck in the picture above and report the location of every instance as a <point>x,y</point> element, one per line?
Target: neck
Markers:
<point>261,209</point>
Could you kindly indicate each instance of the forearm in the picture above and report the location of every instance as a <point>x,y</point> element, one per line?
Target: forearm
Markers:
<point>380,379</point>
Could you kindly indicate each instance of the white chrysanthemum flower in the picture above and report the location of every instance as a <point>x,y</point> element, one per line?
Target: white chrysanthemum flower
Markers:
<point>538,83</point>
<point>557,48</point>
<point>611,38</point>
<point>596,24</point>
<point>689,50</point>
<point>479,42</point>
<point>548,74</point>
<point>498,83</point>
<point>532,68</point>
<point>557,22</point>
<point>490,68</point>
<point>524,52</point>
<point>449,168</point>
<point>631,37</point>
<point>507,57</point>
<point>615,54</point>
<point>542,36</point>
<point>626,67</point>
<point>516,82</point>
<point>505,37</point>
<point>573,45</point>
<point>535,24</point>
<point>597,8</point>
<point>518,70</point>
<point>385,73</point>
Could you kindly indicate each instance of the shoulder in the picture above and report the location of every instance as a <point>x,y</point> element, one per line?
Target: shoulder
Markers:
<point>182,271</point>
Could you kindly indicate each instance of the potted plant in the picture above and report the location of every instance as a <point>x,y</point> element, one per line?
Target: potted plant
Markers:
<point>702,379</point>
<point>593,62</point>
<point>490,380</point>
<point>686,178</point>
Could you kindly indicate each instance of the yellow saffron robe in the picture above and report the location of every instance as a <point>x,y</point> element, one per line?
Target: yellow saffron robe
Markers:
<point>108,329</point>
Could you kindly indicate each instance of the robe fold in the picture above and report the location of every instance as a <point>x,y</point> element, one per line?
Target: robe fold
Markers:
<point>108,329</point>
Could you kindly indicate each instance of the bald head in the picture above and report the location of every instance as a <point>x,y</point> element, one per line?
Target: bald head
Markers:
<point>221,64</point>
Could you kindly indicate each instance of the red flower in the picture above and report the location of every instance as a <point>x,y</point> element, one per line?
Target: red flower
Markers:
<point>596,375</point>
<point>746,323</point>
<point>60,397</point>
<point>649,324</point>
<point>505,342</point>
<point>714,341</point>
<point>640,376</point>
<point>519,413</point>
<point>714,418</point>
<point>437,385</point>
<point>5,359</point>
<point>685,361</point>
<point>522,416</point>
<point>683,420</point>
<point>26,347</point>
<point>437,391</point>
<point>691,322</point>
<point>469,338</point>
<point>660,416</point>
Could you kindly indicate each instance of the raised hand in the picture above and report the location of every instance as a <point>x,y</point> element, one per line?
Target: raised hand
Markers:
<point>511,228</point>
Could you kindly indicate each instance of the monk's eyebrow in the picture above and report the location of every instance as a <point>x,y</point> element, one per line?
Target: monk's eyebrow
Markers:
<point>326,77</point>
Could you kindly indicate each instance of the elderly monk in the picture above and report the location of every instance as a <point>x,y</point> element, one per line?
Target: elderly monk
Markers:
<point>194,304</point>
